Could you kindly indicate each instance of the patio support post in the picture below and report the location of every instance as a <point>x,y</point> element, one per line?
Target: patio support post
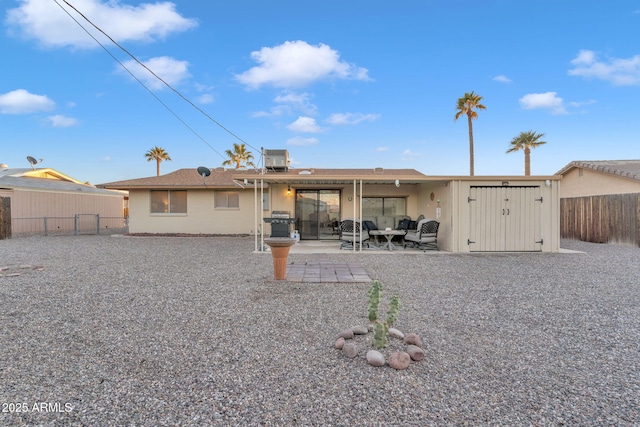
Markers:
<point>255,216</point>
<point>354,215</point>
<point>261,214</point>
<point>360,216</point>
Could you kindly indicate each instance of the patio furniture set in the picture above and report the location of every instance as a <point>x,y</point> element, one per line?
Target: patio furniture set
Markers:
<point>421,234</point>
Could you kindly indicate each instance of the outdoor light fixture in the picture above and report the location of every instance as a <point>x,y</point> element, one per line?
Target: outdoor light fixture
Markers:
<point>288,190</point>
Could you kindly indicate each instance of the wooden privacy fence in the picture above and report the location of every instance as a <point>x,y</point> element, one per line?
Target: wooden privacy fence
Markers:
<point>613,218</point>
<point>5,218</point>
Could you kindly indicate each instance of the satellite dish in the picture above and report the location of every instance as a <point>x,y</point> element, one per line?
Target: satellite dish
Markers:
<point>33,161</point>
<point>203,172</point>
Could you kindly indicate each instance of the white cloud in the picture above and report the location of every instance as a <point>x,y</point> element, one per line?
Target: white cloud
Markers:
<point>300,141</point>
<point>305,125</point>
<point>409,155</point>
<point>502,79</point>
<point>351,118</point>
<point>60,121</point>
<point>382,149</point>
<point>44,21</point>
<point>578,104</point>
<point>297,64</point>
<point>21,101</point>
<point>618,71</point>
<point>205,99</point>
<point>288,103</point>
<point>547,100</point>
<point>297,101</point>
<point>169,69</point>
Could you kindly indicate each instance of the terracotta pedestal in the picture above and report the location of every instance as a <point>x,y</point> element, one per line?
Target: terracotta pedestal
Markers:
<point>279,252</point>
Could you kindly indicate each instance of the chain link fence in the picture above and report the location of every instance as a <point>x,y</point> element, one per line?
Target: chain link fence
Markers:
<point>69,226</point>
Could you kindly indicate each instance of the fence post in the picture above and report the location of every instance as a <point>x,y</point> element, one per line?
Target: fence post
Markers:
<point>75,225</point>
<point>97,224</point>
<point>45,227</point>
<point>5,218</point>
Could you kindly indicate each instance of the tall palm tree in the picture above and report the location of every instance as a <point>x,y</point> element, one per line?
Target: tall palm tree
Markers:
<point>526,141</point>
<point>467,105</point>
<point>238,156</point>
<point>158,154</point>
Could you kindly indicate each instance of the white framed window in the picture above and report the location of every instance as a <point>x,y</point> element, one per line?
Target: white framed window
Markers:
<point>169,201</point>
<point>226,199</point>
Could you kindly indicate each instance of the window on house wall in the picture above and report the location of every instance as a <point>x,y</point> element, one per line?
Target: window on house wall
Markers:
<point>168,201</point>
<point>226,199</point>
<point>376,206</point>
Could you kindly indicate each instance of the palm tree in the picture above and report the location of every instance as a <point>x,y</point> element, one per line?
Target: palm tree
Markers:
<point>526,141</point>
<point>158,154</point>
<point>238,156</point>
<point>466,105</point>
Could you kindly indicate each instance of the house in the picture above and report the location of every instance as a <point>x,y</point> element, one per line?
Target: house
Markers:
<point>596,178</point>
<point>600,200</point>
<point>475,213</point>
<point>44,201</point>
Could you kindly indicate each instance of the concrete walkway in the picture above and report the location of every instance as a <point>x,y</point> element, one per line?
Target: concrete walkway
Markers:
<point>320,270</point>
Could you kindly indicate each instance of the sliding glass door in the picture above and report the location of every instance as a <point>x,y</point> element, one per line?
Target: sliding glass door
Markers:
<point>318,214</point>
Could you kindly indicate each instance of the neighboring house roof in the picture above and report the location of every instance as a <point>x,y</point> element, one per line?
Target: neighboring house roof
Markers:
<point>46,180</point>
<point>47,173</point>
<point>182,178</point>
<point>623,168</point>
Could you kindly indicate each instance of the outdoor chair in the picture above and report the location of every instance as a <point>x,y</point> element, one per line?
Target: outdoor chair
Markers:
<point>348,237</point>
<point>425,236</point>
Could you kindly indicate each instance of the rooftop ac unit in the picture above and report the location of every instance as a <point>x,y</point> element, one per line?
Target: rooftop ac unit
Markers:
<point>276,160</point>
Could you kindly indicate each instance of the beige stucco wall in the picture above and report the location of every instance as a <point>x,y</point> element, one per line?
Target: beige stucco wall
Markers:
<point>429,208</point>
<point>29,206</point>
<point>581,182</point>
<point>201,217</point>
<point>460,215</point>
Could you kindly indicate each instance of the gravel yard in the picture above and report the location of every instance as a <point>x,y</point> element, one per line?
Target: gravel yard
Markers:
<point>193,331</point>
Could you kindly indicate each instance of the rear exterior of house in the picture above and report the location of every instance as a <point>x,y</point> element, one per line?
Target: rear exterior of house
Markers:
<point>476,214</point>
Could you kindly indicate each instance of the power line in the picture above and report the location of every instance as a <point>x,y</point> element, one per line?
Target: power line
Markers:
<point>153,73</point>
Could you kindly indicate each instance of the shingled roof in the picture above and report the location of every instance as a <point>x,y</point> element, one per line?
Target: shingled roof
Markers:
<point>623,168</point>
<point>182,178</point>
<point>224,178</point>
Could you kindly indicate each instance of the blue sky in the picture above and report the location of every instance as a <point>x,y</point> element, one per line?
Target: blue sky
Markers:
<point>338,84</point>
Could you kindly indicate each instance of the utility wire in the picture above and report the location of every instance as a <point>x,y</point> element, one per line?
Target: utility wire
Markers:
<point>153,73</point>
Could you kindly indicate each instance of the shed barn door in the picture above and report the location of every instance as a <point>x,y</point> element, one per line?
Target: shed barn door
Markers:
<point>505,219</point>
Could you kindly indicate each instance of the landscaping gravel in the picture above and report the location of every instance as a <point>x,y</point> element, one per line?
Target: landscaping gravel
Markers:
<point>194,331</point>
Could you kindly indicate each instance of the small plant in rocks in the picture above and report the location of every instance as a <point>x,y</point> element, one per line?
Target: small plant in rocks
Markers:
<point>381,327</point>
